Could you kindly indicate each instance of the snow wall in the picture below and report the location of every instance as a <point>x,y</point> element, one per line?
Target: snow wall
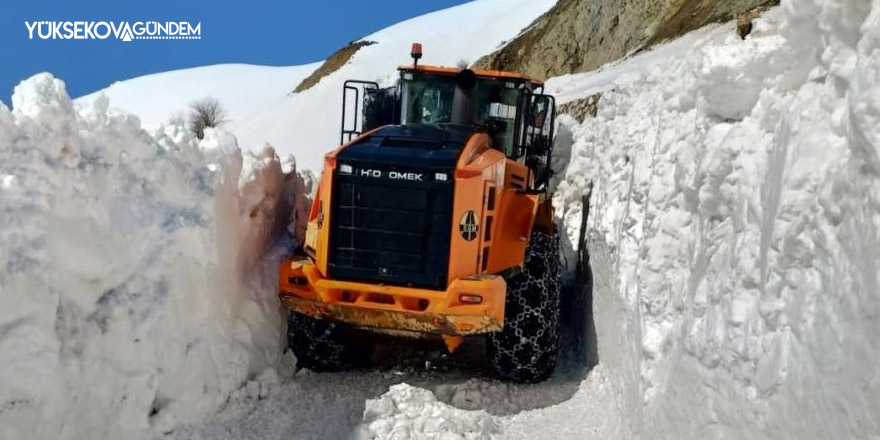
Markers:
<point>135,293</point>
<point>737,197</point>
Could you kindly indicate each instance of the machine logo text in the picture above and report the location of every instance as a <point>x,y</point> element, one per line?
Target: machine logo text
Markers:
<point>393,175</point>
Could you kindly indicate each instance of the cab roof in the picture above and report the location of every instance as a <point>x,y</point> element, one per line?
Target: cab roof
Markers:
<point>489,74</point>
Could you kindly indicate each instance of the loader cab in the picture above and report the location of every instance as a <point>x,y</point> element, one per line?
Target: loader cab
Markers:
<point>463,98</point>
<point>510,108</point>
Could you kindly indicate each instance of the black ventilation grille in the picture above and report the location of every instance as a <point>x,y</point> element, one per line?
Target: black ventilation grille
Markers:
<point>390,225</point>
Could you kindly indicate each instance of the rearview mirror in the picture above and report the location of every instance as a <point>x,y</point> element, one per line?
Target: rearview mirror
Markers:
<point>538,112</point>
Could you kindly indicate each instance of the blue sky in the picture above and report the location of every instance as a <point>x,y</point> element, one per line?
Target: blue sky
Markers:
<point>233,31</point>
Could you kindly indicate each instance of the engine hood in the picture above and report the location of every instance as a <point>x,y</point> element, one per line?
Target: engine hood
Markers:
<point>421,145</point>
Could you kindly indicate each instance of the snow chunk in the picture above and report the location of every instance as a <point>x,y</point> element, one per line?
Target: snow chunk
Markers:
<point>7,180</point>
<point>43,97</point>
<point>732,76</point>
<point>408,412</point>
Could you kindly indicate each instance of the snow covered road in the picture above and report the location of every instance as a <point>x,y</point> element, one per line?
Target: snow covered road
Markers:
<point>602,400</point>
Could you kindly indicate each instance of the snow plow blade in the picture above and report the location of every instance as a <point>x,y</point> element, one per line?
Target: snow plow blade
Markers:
<point>304,290</point>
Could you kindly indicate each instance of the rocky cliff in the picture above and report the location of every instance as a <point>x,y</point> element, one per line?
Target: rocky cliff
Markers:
<point>582,35</point>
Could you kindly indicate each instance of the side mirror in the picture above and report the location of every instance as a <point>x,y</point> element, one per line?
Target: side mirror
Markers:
<point>538,111</point>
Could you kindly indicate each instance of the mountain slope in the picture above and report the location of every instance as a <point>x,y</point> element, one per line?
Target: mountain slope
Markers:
<point>307,124</point>
<point>581,35</point>
<point>243,89</point>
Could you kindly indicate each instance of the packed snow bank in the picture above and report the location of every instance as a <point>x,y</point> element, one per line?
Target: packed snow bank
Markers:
<point>738,190</point>
<point>621,73</point>
<point>129,297</point>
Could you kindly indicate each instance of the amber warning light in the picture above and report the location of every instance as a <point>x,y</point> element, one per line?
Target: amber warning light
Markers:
<point>416,53</point>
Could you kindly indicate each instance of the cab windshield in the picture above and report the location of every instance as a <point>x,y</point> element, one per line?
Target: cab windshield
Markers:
<point>428,99</point>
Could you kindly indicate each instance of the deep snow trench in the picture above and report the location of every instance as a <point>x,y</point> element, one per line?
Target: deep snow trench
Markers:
<point>734,242</point>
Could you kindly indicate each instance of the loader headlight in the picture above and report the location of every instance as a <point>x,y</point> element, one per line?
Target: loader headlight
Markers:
<point>469,298</point>
<point>346,168</point>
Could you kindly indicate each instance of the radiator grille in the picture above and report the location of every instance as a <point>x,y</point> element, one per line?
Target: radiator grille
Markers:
<point>390,230</point>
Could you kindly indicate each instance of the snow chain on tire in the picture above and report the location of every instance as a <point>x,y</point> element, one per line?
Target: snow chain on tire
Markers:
<point>325,346</point>
<point>526,349</point>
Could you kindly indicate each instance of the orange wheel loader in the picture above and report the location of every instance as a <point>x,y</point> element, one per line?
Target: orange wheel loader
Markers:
<point>432,219</point>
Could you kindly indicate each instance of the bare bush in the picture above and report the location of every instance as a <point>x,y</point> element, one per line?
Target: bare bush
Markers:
<point>206,113</point>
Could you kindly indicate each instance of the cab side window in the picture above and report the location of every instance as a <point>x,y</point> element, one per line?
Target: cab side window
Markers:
<point>496,110</point>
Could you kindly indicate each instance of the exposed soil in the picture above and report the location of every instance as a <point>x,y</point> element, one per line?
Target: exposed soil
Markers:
<point>687,15</point>
<point>581,109</point>
<point>336,61</point>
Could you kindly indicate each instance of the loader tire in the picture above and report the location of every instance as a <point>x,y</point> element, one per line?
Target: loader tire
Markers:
<point>526,349</point>
<point>325,346</point>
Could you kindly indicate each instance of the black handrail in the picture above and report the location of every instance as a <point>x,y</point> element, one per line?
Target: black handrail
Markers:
<point>355,129</point>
